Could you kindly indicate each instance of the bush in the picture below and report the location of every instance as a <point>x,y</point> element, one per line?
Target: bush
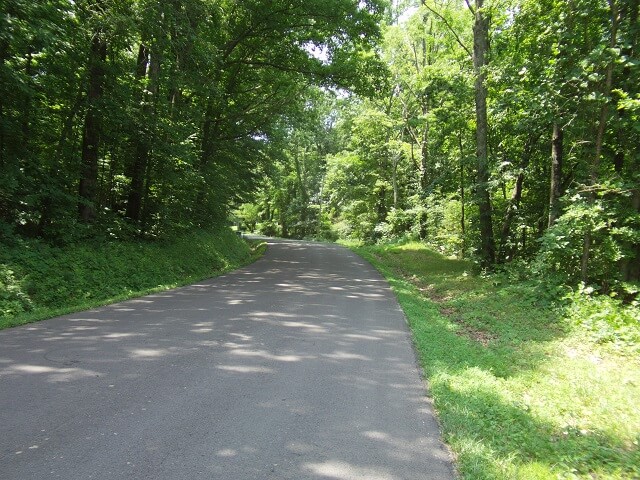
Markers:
<point>605,318</point>
<point>613,225</point>
<point>268,228</point>
<point>12,299</point>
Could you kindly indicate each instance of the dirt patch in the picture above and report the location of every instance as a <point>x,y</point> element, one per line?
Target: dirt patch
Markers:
<point>427,289</point>
<point>482,337</point>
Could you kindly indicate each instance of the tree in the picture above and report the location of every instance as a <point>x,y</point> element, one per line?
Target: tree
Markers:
<point>480,62</point>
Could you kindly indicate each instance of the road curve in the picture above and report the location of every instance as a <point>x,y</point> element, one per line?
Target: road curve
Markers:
<point>298,366</point>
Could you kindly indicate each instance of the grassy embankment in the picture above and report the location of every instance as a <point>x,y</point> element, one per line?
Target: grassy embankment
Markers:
<point>39,281</point>
<point>521,391</point>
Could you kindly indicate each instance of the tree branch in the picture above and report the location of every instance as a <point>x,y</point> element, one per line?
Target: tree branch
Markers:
<point>446,22</point>
<point>470,7</point>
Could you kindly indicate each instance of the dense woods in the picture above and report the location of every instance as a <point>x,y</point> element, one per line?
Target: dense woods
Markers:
<point>483,154</point>
<point>501,130</point>
<point>143,117</point>
<point>508,132</point>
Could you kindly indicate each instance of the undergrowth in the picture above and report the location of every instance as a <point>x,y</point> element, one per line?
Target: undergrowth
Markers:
<point>527,385</point>
<point>38,280</point>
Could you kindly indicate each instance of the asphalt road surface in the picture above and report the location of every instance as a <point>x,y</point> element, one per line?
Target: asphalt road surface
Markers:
<point>299,366</point>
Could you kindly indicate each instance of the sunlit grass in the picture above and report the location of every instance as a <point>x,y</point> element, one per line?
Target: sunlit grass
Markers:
<point>520,392</point>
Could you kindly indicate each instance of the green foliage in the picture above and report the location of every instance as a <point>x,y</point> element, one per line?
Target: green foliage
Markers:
<point>13,300</point>
<point>160,117</point>
<point>40,280</point>
<point>612,226</point>
<point>248,215</point>
<point>521,391</point>
<point>605,318</point>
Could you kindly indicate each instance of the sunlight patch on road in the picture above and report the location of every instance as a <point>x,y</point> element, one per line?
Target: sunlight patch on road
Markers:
<point>338,355</point>
<point>226,453</point>
<point>243,352</point>
<point>244,369</point>
<point>344,471</point>
<point>55,375</point>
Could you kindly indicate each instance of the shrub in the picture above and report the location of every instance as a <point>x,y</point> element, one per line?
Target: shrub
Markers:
<point>12,299</point>
<point>605,318</point>
<point>611,227</point>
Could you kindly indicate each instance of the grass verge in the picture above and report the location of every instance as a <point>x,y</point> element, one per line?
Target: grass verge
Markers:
<point>39,281</point>
<point>521,392</point>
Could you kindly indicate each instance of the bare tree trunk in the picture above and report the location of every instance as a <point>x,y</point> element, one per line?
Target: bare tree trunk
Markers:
<point>602,123</point>
<point>630,266</point>
<point>516,196</point>
<point>424,150</point>
<point>144,138</point>
<point>91,136</point>
<point>394,178</point>
<point>483,198</point>
<point>4,54</point>
<point>302,187</point>
<point>557,147</point>
<point>462,193</point>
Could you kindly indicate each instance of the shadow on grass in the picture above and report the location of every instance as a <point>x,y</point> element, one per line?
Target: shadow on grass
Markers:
<point>498,439</point>
<point>461,305</point>
<point>492,430</point>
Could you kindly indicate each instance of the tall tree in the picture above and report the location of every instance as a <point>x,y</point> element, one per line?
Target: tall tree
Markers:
<point>87,189</point>
<point>483,196</point>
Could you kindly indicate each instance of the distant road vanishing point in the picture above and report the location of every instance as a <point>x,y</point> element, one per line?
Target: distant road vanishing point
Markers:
<point>299,366</point>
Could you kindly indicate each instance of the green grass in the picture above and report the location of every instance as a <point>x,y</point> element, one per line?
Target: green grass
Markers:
<point>38,281</point>
<point>521,392</point>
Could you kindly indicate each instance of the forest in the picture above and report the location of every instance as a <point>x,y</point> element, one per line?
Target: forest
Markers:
<point>502,131</point>
<point>505,132</point>
<point>484,155</point>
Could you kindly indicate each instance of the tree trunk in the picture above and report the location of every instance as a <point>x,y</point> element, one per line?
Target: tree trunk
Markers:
<point>557,146</point>
<point>516,196</point>
<point>4,54</point>
<point>480,51</point>
<point>629,50</point>
<point>145,131</point>
<point>424,155</point>
<point>26,107</point>
<point>91,136</point>
<point>462,194</point>
<point>602,122</point>
<point>630,266</point>
<point>394,177</point>
<point>300,177</point>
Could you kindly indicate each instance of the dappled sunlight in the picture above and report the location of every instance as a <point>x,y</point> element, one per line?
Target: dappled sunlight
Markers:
<point>338,355</point>
<point>226,453</point>
<point>359,336</point>
<point>305,325</point>
<point>288,369</point>
<point>346,471</point>
<point>82,328</point>
<point>91,320</point>
<point>149,352</point>
<point>120,335</point>
<point>50,374</point>
<point>242,336</point>
<point>244,369</point>
<point>202,330</point>
<point>240,351</point>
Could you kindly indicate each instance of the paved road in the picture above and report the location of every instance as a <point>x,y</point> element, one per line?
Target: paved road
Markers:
<point>296,367</point>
